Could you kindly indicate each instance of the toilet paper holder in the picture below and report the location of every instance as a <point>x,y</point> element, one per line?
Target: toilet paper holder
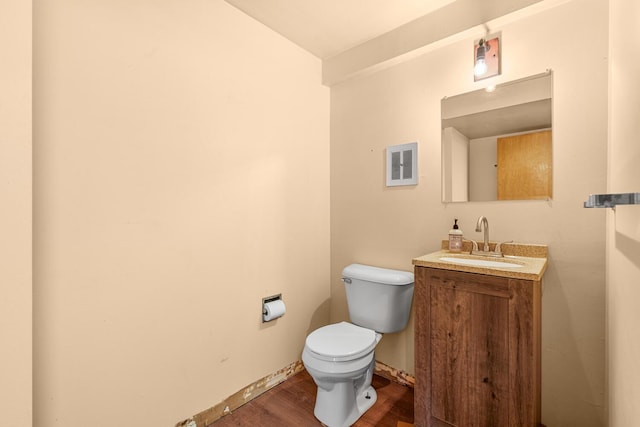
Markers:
<point>267,300</point>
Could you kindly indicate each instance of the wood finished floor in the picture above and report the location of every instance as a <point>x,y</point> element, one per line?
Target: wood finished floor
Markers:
<point>291,403</point>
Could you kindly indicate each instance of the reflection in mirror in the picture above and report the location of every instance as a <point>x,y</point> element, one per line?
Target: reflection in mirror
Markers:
<point>496,145</point>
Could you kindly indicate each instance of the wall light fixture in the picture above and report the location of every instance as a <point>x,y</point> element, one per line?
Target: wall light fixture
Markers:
<point>486,57</point>
<point>480,68</point>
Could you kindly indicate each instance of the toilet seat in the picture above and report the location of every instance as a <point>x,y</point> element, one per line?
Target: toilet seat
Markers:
<point>341,342</point>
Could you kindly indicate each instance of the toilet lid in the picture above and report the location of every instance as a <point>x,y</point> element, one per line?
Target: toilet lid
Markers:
<point>341,341</point>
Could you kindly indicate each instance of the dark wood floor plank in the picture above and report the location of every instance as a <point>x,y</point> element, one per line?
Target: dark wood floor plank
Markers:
<point>291,404</point>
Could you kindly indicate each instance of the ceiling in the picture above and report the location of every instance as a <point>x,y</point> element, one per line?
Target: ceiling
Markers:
<point>502,121</point>
<point>328,27</point>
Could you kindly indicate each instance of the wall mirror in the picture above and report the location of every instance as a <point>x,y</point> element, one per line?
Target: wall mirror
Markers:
<point>496,144</point>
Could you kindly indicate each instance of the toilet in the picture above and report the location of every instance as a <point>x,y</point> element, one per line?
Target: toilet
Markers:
<point>340,357</point>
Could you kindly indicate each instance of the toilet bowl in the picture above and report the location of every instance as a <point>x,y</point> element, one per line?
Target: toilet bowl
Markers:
<point>340,357</point>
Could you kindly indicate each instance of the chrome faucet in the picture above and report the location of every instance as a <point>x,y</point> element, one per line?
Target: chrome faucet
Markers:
<point>497,252</point>
<point>483,222</point>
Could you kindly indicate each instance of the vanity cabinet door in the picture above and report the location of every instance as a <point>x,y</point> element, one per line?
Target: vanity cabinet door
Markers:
<point>475,350</point>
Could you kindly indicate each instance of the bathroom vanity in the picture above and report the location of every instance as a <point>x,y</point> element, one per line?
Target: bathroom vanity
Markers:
<point>477,337</point>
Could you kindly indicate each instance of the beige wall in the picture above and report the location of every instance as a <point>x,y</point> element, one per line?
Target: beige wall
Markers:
<point>623,225</point>
<point>372,224</point>
<point>181,174</point>
<point>15,214</point>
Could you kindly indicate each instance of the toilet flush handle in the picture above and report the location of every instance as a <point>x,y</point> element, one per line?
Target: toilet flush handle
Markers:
<point>346,280</point>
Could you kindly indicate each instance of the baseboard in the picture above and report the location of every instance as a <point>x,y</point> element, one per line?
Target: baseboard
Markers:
<point>250,392</point>
<point>395,375</point>
<point>236,400</point>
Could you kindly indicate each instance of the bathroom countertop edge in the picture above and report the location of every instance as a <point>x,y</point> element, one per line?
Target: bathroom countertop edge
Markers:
<point>533,267</point>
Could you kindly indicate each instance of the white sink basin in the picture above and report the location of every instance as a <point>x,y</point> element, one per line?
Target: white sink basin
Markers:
<point>480,262</point>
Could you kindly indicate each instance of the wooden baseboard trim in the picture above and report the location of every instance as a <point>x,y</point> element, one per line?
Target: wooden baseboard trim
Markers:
<point>250,392</point>
<point>236,400</point>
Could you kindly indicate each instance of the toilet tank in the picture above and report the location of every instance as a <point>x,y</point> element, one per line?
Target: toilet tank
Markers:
<point>378,298</point>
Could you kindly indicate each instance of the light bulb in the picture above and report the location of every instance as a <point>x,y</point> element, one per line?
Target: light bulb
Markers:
<point>480,67</point>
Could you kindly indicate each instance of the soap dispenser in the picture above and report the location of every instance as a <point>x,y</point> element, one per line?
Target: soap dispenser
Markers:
<point>455,238</point>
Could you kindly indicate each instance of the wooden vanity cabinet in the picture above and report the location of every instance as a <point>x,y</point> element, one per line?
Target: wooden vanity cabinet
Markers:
<point>477,349</point>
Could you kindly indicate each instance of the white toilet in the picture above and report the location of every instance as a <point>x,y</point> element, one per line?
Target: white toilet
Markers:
<point>340,357</point>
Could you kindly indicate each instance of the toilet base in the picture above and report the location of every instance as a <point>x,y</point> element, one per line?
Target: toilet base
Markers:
<point>366,400</point>
<point>327,412</point>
